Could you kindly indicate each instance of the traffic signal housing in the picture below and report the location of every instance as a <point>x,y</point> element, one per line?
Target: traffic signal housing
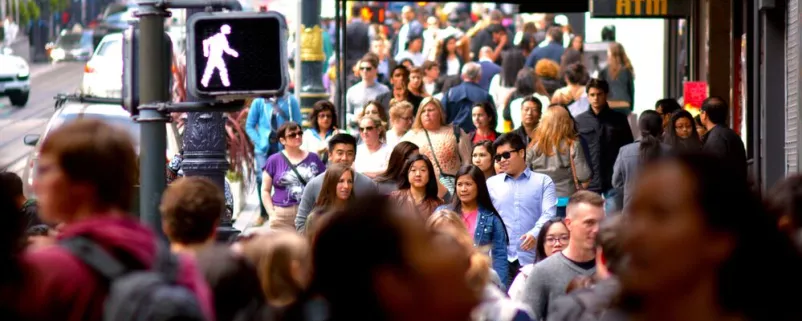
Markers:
<point>237,54</point>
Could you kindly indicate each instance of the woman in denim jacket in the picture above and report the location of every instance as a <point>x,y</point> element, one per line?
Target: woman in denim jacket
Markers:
<point>480,217</point>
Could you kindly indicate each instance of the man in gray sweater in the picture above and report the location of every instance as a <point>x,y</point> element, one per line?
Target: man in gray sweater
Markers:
<point>342,150</point>
<point>550,277</point>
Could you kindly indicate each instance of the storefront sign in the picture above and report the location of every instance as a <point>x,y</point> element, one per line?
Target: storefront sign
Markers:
<point>640,8</point>
<point>694,93</point>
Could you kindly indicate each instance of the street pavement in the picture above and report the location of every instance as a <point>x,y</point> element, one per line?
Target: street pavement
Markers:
<point>47,80</point>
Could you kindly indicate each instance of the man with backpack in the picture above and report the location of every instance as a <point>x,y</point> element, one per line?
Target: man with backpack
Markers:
<point>263,121</point>
<point>458,102</point>
<point>106,265</point>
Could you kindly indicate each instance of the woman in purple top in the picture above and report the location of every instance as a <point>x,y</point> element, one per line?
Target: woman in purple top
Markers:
<point>287,173</point>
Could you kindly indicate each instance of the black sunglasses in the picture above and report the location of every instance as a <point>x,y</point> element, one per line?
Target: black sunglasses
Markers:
<point>293,135</point>
<point>504,155</point>
<point>367,128</point>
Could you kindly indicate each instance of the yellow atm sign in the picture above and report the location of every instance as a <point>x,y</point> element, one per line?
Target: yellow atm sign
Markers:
<point>641,8</point>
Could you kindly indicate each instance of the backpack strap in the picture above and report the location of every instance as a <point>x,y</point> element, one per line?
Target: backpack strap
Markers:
<point>456,135</point>
<point>94,256</point>
<point>166,263</point>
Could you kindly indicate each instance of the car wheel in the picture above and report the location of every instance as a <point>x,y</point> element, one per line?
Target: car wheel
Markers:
<point>19,99</point>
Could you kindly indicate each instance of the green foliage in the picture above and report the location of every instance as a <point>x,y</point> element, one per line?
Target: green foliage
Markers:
<point>59,5</point>
<point>27,10</point>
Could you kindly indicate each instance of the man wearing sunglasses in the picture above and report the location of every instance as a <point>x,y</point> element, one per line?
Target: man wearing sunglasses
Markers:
<point>526,200</point>
<point>367,89</point>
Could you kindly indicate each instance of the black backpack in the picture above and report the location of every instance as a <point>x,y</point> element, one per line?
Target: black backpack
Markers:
<point>139,295</point>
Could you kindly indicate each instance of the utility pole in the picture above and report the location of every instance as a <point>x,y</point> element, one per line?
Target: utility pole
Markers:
<point>153,89</point>
<point>312,59</point>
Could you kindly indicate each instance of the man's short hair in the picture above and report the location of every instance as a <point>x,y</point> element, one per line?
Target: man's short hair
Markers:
<point>599,84</point>
<point>609,239</point>
<point>428,65</point>
<point>472,71</point>
<point>515,141</point>
<point>371,58</point>
<point>716,110</point>
<point>93,152</point>
<point>586,197</point>
<point>556,34</point>
<point>191,209</point>
<point>342,139</point>
<point>534,100</point>
<point>11,183</point>
<point>495,28</point>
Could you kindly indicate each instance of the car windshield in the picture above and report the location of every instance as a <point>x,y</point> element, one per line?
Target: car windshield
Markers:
<point>123,16</point>
<point>75,40</point>
<point>110,48</point>
<point>122,122</point>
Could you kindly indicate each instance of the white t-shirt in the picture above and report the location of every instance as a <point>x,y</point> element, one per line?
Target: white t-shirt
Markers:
<point>367,162</point>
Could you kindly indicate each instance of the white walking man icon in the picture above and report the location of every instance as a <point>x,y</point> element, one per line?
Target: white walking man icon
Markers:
<point>213,49</point>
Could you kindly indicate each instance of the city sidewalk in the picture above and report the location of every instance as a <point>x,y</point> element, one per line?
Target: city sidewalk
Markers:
<point>248,215</point>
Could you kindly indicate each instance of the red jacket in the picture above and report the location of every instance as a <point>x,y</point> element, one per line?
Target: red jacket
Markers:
<point>58,286</point>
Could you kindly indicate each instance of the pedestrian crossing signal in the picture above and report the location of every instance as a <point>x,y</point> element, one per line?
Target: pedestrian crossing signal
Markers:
<point>372,14</point>
<point>237,54</point>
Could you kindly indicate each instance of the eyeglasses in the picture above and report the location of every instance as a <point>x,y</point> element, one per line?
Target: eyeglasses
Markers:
<point>504,155</point>
<point>562,238</point>
<point>325,116</point>
<point>369,128</point>
<point>366,68</point>
<point>293,135</point>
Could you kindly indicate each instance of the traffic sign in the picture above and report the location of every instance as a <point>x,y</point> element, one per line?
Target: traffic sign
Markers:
<point>237,54</point>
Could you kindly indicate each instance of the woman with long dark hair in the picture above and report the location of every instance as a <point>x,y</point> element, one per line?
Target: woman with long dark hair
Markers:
<point>388,181</point>
<point>484,118</point>
<point>682,134</point>
<point>448,58</point>
<point>482,157</point>
<point>693,201</point>
<point>417,194</point>
<point>631,157</point>
<point>480,217</point>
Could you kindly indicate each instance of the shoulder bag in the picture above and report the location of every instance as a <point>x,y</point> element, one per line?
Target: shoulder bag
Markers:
<point>294,169</point>
<point>449,181</point>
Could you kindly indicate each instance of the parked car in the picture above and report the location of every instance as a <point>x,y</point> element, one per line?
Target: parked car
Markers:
<point>70,111</point>
<point>104,71</point>
<point>15,78</point>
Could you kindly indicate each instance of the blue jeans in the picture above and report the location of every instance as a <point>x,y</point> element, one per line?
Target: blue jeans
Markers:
<point>261,159</point>
<point>612,201</point>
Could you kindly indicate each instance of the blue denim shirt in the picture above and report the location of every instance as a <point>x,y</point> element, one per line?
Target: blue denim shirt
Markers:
<point>525,204</point>
<point>490,231</point>
<point>258,124</point>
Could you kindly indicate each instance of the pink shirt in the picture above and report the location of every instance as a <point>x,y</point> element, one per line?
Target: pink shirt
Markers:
<point>470,220</point>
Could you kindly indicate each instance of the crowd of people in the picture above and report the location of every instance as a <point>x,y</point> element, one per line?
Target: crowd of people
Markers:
<point>517,187</point>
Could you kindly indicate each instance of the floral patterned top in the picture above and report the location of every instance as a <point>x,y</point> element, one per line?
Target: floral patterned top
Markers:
<point>450,154</point>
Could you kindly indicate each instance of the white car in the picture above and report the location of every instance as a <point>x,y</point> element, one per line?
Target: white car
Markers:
<point>15,78</point>
<point>103,73</point>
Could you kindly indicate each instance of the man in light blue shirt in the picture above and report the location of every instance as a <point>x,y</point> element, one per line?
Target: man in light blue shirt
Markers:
<point>526,200</point>
<point>263,118</point>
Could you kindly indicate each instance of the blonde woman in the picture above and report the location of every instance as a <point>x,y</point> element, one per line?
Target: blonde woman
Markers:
<point>401,118</point>
<point>447,146</point>
<point>372,154</point>
<point>557,151</point>
<point>621,77</point>
<point>283,262</point>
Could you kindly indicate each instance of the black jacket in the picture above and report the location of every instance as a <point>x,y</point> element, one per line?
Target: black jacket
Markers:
<point>605,134</point>
<point>413,99</point>
<point>723,142</point>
